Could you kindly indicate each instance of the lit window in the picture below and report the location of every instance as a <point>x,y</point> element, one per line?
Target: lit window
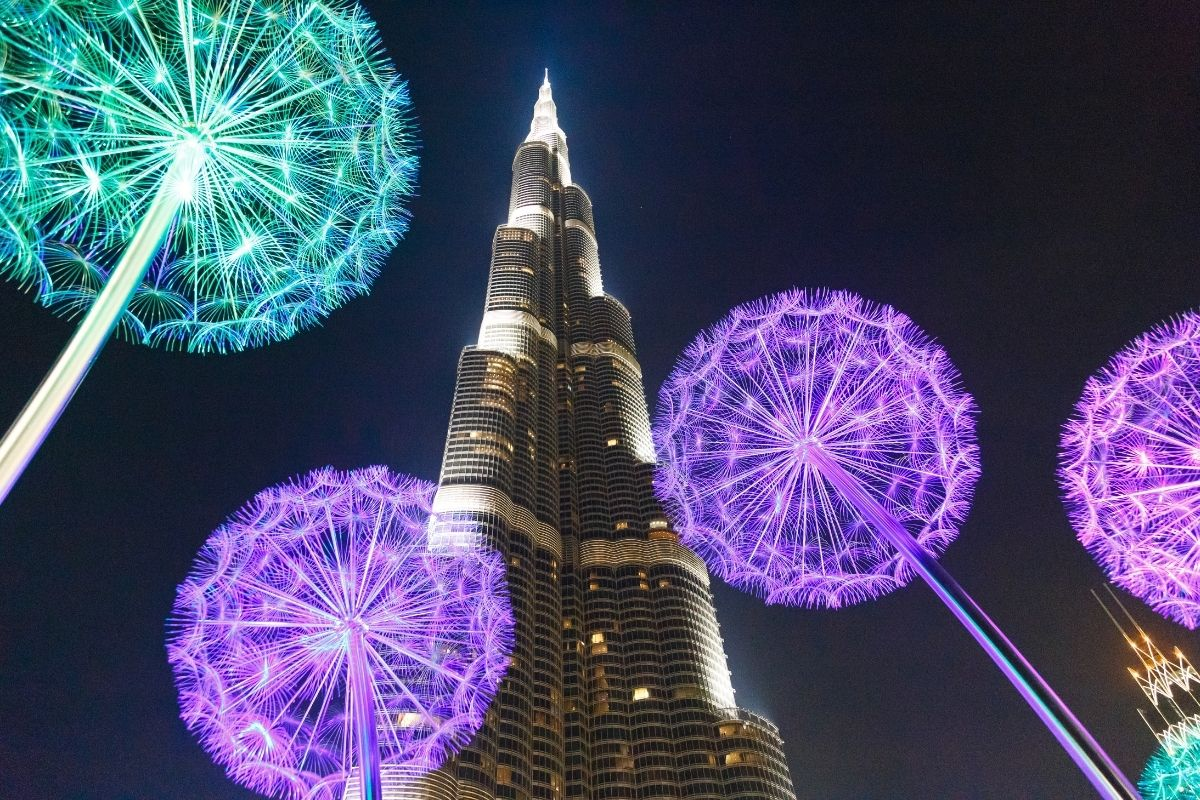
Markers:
<point>613,442</point>
<point>593,586</point>
<point>740,757</point>
<point>597,638</point>
<point>503,774</point>
<point>663,583</point>
<point>622,526</point>
<point>641,693</point>
<point>408,719</point>
<point>567,623</point>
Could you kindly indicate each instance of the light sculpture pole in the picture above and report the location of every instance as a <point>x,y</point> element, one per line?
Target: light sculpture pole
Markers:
<point>319,633</point>
<point>1130,468</point>
<point>204,174</point>
<point>817,450</point>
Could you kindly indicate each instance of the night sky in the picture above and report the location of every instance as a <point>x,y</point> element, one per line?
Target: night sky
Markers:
<point>1021,182</point>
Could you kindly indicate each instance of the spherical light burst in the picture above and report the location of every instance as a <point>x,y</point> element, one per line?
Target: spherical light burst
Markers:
<point>816,449</point>
<point>265,631</point>
<point>1130,468</point>
<point>298,127</point>
<point>1173,772</point>
<point>757,399</point>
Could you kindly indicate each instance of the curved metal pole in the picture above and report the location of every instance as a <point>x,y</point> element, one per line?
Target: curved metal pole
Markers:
<point>362,700</point>
<point>47,404</point>
<point>1100,769</point>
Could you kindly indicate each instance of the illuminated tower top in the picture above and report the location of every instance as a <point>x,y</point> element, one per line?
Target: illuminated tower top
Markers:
<point>544,128</point>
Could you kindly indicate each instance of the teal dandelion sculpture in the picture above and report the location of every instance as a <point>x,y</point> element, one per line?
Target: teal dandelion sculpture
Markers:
<point>1173,772</point>
<point>208,175</point>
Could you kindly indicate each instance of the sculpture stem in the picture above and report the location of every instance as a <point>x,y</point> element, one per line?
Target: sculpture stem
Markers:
<point>46,405</point>
<point>362,698</point>
<point>1100,769</point>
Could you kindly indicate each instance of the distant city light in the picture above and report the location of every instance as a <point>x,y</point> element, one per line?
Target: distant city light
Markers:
<point>1167,681</point>
<point>317,620</point>
<point>1130,468</point>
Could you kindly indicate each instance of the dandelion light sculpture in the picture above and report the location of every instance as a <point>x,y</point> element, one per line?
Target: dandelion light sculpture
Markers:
<point>1173,772</point>
<point>209,175</point>
<point>761,406</point>
<point>319,633</point>
<point>1130,468</point>
<point>817,450</point>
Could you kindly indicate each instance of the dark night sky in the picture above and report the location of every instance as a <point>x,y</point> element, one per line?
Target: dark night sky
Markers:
<point>1022,182</point>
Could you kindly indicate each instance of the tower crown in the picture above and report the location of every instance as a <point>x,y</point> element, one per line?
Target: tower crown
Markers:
<point>544,128</point>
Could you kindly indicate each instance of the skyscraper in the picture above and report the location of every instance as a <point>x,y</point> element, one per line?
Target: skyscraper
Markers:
<point>618,686</point>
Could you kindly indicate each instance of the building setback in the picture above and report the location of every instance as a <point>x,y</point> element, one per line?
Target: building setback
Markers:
<point>618,686</point>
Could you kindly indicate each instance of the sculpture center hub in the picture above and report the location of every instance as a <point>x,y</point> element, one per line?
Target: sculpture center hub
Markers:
<point>803,446</point>
<point>200,133</point>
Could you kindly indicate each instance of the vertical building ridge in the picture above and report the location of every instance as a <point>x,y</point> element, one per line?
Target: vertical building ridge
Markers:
<point>618,686</point>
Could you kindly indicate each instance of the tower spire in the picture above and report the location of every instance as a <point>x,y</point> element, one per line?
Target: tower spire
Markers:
<point>544,128</point>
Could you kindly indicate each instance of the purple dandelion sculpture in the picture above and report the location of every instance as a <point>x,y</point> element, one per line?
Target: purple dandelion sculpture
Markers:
<point>816,449</point>
<point>319,633</point>
<point>1130,468</point>
<point>787,395</point>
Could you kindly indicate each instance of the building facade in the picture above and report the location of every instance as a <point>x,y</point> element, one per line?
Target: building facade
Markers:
<point>618,686</point>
